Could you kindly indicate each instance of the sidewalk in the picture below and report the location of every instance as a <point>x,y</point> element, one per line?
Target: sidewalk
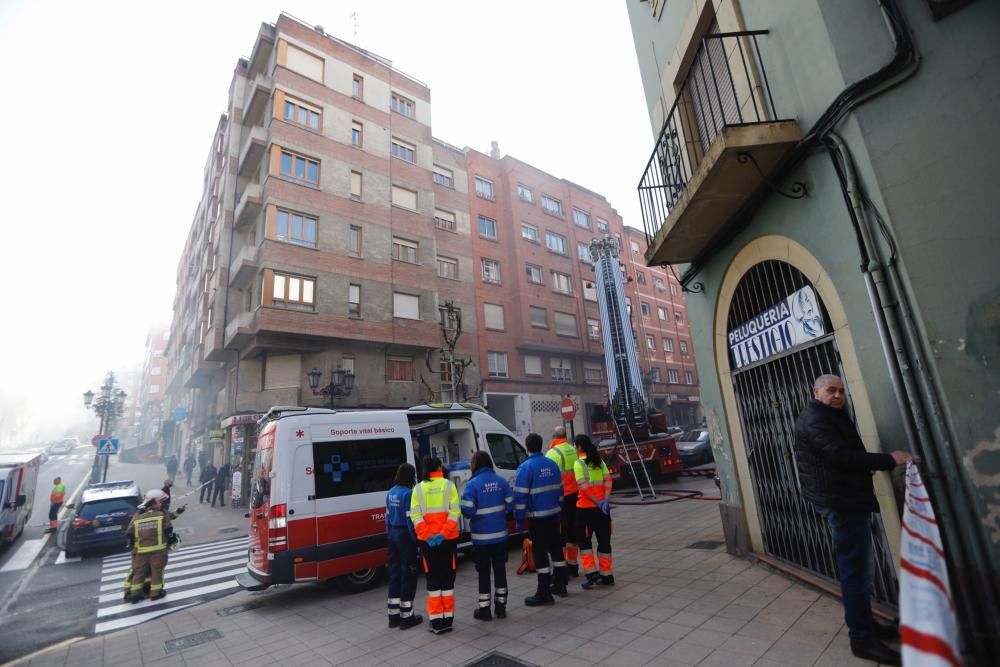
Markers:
<point>672,605</point>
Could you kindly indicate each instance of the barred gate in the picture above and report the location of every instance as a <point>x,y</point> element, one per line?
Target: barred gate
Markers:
<point>769,396</point>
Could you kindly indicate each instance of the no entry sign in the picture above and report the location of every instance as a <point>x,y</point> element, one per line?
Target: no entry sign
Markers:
<point>567,409</point>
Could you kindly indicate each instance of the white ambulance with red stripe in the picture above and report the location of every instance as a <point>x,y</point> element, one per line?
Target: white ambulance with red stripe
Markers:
<point>320,477</point>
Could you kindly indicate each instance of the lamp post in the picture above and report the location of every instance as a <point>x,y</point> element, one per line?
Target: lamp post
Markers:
<point>109,404</point>
<point>341,383</point>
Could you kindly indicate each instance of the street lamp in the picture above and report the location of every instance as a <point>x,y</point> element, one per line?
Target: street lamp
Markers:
<point>341,383</point>
<point>109,404</point>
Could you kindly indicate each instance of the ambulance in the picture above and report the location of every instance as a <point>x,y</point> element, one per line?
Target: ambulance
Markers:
<point>18,481</point>
<point>320,477</point>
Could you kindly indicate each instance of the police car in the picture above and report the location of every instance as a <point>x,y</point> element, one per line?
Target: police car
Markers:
<point>102,516</point>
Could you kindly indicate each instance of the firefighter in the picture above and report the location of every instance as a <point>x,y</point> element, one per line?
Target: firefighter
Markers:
<point>56,499</point>
<point>486,500</point>
<point>402,550</point>
<point>434,510</point>
<point>151,531</point>
<point>564,454</point>
<point>131,547</point>
<point>593,513</point>
<point>538,490</point>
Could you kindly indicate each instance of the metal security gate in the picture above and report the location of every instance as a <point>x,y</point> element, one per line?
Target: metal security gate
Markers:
<point>770,393</point>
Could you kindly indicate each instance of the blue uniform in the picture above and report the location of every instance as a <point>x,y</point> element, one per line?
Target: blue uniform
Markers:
<point>402,554</point>
<point>486,500</point>
<point>538,488</point>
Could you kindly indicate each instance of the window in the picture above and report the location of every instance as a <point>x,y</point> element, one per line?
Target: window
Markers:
<point>658,283</point>
<point>552,206</point>
<point>661,312</point>
<point>302,114</point>
<point>684,347</point>
<point>444,219</point>
<point>288,289</point>
<point>635,247</point>
<point>358,87</point>
<point>593,329</point>
<point>403,150</point>
<point>406,306</point>
<point>302,62</point>
<point>505,451</point>
<point>592,372</point>
<point>401,105</point>
<point>404,250</point>
<point>357,134</point>
<point>566,324</point>
<point>354,300</point>
<point>154,389</point>
<point>351,467</point>
<point>529,233</point>
<point>524,193</point>
<point>539,317</point>
<point>447,267</point>
<point>651,342</point>
<point>678,316</point>
<point>644,308</point>
<point>356,179</point>
<point>583,252</point>
<point>673,289</point>
<point>491,271</point>
<point>484,189</point>
<point>296,228</point>
<point>561,283</point>
<point>640,277</point>
<point>354,240</point>
<point>589,292</point>
<point>673,377</point>
<point>581,219</point>
<point>487,227</point>
<point>602,226</point>
<point>654,374</point>
<point>688,377</point>
<point>299,168</point>
<point>155,370</point>
<point>532,364</point>
<point>404,198</point>
<point>562,369</point>
<point>668,344</point>
<point>555,243</point>
<point>442,176</point>
<point>493,316</point>
<point>497,364</point>
<point>535,274</point>
<point>399,369</point>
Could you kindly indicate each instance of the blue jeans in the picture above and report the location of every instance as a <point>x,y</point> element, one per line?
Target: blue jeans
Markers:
<point>852,538</point>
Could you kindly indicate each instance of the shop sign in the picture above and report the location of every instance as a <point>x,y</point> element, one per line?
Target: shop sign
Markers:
<point>791,322</point>
<point>241,419</point>
<point>237,485</point>
<point>216,435</point>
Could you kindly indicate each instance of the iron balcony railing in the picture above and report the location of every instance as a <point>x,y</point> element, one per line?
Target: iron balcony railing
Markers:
<point>725,85</point>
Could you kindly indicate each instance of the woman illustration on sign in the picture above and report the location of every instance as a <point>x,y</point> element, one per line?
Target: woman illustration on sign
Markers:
<point>807,313</point>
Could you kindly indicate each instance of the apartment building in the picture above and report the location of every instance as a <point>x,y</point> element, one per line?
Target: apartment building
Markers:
<point>151,388</point>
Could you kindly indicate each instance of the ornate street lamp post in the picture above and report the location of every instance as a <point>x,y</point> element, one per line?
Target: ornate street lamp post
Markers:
<point>341,383</point>
<point>108,405</point>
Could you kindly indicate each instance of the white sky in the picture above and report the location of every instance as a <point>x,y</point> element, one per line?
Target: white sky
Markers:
<point>109,113</point>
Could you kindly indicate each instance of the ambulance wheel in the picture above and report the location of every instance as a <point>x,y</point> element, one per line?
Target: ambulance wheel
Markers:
<point>360,580</point>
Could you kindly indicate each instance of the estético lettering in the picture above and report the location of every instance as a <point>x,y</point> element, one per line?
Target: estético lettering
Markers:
<point>795,320</point>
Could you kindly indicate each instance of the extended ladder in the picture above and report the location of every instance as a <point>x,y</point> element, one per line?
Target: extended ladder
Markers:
<point>638,457</point>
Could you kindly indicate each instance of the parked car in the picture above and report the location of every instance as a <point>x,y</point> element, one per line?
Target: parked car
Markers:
<point>675,432</point>
<point>62,447</point>
<point>695,448</point>
<point>103,514</point>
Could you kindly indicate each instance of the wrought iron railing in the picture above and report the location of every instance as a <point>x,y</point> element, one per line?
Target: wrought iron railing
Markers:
<point>725,85</point>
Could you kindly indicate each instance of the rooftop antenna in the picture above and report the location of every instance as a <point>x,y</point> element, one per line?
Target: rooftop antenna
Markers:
<point>354,17</point>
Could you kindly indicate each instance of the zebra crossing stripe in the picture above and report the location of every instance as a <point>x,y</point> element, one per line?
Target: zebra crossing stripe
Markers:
<point>182,595</point>
<point>117,570</point>
<point>175,584</point>
<point>194,548</point>
<point>129,621</point>
<point>173,573</point>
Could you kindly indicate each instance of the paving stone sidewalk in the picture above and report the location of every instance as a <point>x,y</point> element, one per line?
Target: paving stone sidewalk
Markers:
<point>672,606</point>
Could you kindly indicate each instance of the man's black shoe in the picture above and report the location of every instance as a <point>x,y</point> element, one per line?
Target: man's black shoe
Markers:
<point>410,621</point>
<point>606,580</point>
<point>500,611</point>
<point>482,614</point>
<point>876,651</point>
<point>887,632</point>
<point>560,591</point>
<point>591,581</point>
<point>538,600</point>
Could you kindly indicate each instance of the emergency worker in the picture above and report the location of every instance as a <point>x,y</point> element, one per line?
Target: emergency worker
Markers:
<point>538,492</point>
<point>564,454</point>
<point>402,550</point>
<point>593,513</point>
<point>434,510</point>
<point>131,548</point>
<point>486,500</point>
<point>151,531</point>
<point>56,499</point>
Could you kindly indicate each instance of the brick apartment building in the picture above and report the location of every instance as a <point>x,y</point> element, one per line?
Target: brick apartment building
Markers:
<point>333,229</point>
<point>151,386</point>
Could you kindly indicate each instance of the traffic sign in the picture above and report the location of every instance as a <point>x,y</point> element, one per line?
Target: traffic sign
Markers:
<point>96,440</point>
<point>567,409</point>
<point>107,447</point>
<point>180,414</point>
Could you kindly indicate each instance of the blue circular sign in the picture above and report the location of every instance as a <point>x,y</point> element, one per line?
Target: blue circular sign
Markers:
<point>180,414</point>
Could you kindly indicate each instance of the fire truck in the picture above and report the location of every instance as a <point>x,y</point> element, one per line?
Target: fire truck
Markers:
<point>631,436</point>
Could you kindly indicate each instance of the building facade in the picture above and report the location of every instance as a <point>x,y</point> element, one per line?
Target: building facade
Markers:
<point>821,176</point>
<point>151,390</point>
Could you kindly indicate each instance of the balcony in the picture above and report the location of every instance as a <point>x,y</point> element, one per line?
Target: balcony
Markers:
<point>257,97</point>
<point>241,329</point>
<point>213,348</point>
<point>253,149</point>
<point>198,374</point>
<point>244,267</point>
<point>262,50</point>
<point>718,144</point>
<point>250,202</point>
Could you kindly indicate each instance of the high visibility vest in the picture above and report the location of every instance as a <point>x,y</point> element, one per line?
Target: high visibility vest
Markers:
<point>594,483</point>
<point>58,494</point>
<point>434,508</point>
<point>564,454</point>
<point>149,531</point>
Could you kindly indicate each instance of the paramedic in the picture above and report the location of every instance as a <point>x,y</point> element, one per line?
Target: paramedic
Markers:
<point>402,550</point>
<point>538,491</point>
<point>434,510</point>
<point>564,454</point>
<point>593,513</point>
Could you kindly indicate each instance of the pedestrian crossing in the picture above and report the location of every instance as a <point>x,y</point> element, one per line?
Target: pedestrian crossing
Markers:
<point>193,575</point>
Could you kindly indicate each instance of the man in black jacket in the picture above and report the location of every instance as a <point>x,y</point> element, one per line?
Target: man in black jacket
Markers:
<point>835,472</point>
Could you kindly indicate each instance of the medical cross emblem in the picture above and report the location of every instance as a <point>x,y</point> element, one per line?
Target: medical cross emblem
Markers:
<point>336,468</point>
<point>299,433</point>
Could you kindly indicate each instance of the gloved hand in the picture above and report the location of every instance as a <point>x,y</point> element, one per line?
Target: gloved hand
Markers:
<point>604,506</point>
<point>435,540</point>
<point>180,510</point>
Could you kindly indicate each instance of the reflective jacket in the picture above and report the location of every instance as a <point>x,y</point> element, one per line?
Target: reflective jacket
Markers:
<point>397,508</point>
<point>594,483</point>
<point>150,531</point>
<point>537,488</point>
<point>486,500</point>
<point>434,508</point>
<point>564,454</point>
<point>58,494</point>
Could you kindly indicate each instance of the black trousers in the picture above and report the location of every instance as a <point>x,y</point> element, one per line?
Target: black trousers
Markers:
<point>439,564</point>
<point>491,557</point>
<point>547,550</point>
<point>402,571</point>
<point>591,521</point>
<point>567,523</point>
<point>205,490</point>
<point>219,494</point>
